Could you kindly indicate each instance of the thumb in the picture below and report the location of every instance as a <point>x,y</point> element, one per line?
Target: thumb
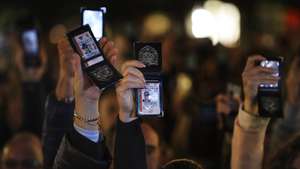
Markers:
<point>78,75</point>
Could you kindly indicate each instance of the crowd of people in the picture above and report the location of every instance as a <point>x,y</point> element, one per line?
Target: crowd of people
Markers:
<point>53,116</point>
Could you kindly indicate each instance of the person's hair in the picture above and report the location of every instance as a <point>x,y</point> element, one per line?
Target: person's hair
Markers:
<point>182,164</point>
<point>29,140</point>
<point>286,155</point>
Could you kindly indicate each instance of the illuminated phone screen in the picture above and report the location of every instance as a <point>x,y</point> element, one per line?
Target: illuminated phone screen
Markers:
<point>274,65</point>
<point>95,19</point>
<point>30,42</point>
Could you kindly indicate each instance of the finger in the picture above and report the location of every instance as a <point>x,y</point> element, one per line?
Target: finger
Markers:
<point>112,52</point>
<point>131,83</point>
<point>113,60</point>
<point>263,76</point>
<point>262,70</point>
<point>252,60</point>
<point>132,63</point>
<point>134,72</point>
<point>108,46</point>
<point>258,81</point>
<point>103,42</point>
<point>112,56</point>
<point>78,75</point>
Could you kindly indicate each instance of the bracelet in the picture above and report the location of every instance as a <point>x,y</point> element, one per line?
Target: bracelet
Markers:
<point>77,116</point>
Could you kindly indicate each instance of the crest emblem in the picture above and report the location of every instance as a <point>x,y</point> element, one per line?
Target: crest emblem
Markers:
<point>270,104</point>
<point>148,55</point>
<point>103,73</point>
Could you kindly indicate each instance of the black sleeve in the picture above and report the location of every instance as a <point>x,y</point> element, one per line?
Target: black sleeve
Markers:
<point>130,151</point>
<point>33,106</point>
<point>58,120</point>
<point>78,152</point>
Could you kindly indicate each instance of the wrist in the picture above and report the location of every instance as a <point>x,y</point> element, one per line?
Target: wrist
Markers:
<point>64,88</point>
<point>250,122</point>
<point>84,124</point>
<point>127,117</point>
<point>250,106</point>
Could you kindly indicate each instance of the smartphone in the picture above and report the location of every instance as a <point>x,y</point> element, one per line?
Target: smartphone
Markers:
<point>270,95</point>
<point>93,61</point>
<point>94,18</point>
<point>31,47</point>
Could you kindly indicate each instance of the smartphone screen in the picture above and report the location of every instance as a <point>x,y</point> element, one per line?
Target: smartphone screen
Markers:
<point>95,19</point>
<point>30,42</point>
<point>274,65</point>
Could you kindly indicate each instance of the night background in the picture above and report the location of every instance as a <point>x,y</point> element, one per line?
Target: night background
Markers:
<point>204,47</point>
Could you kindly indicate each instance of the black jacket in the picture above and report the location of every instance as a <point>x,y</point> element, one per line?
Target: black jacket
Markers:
<point>64,148</point>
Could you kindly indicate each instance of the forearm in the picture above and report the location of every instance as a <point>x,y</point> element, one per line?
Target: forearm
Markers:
<point>248,141</point>
<point>130,146</point>
<point>76,152</point>
<point>58,121</point>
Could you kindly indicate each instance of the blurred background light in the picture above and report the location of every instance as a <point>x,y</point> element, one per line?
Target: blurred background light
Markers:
<point>157,24</point>
<point>217,20</point>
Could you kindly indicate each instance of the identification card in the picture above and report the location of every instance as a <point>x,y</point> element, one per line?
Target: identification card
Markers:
<point>149,99</point>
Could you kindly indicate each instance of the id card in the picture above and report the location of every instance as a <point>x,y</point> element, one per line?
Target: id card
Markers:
<point>93,61</point>
<point>149,99</point>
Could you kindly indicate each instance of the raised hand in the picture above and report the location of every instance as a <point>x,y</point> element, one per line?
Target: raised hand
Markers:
<point>133,78</point>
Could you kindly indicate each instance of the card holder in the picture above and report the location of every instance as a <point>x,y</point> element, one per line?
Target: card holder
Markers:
<point>149,100</point>
<point>93,61</point>
<point>270,104</point>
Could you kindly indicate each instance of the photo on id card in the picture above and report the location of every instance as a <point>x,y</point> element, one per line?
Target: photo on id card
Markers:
<point>148,100</point>
<point>87,46</point>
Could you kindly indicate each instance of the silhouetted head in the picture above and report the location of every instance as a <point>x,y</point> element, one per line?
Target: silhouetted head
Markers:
<point>182,164</point>
<point>23,151</point>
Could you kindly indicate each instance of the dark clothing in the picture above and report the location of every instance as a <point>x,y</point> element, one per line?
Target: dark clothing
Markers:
<point>130,152</point>
<point>71,150</point>
<point>58,121</point>
<point>34,97</point>
<point>77,152</point>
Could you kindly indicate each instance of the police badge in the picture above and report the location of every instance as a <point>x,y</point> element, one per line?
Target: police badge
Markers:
<point>93,61</point>
<point>269,95</point>
<point>150,99</point>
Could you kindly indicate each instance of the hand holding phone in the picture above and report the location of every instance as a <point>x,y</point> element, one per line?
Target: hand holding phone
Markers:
<point>252,76</point>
